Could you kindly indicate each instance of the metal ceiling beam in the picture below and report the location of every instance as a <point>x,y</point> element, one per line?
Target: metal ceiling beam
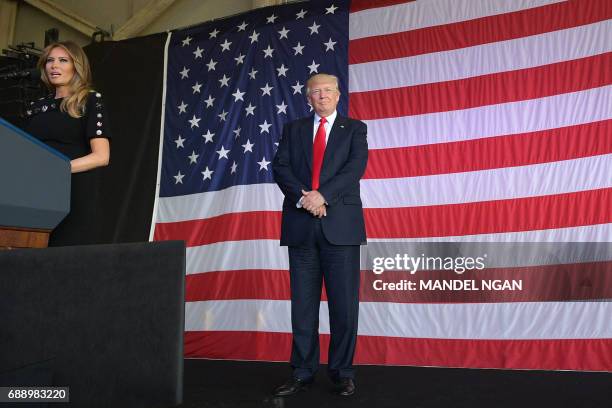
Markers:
<point>66,16</point>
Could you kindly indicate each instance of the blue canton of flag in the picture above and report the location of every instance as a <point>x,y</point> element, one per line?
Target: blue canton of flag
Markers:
<point>232,84</point>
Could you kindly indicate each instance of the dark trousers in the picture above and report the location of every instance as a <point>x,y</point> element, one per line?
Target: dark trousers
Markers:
<point>309,264</point>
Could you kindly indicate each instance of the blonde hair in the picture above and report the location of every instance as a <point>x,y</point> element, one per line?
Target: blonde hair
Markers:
<point>79,85</point>
<point>324,77</point>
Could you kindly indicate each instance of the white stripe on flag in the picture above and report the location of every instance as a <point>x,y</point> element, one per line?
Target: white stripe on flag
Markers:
<point>550,112</point>
<point>422,14</point>
<point>237,255</point>
<point>588,233</point>
<point>255,197</point>
<point>530,321</point>
<point>542,179</point>
<point>268,254</point>
<point>525,52</point>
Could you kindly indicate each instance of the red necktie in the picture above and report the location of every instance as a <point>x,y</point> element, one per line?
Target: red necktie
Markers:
<point>318,149</point>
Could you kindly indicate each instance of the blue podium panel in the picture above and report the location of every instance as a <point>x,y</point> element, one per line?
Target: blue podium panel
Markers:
<point>34,181</point>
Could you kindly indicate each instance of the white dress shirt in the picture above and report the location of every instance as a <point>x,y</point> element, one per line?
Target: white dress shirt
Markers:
<point>328,125</point>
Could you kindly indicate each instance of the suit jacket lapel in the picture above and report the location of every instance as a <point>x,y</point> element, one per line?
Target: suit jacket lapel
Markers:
<point>306,137</point>
<point>335,136</point>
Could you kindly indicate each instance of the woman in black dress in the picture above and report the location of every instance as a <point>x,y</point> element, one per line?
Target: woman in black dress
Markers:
<point>71,119</point>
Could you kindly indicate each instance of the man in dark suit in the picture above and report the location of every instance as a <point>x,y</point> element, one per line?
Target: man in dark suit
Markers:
<point>319,162</point>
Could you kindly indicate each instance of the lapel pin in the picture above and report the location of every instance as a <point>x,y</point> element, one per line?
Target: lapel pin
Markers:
<point>342,126</point>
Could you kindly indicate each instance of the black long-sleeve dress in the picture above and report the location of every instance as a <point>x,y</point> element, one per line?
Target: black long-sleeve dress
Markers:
<point>71,137</point>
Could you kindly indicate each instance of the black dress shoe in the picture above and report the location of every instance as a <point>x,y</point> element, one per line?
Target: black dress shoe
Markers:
<point>345,387</point>
<point>292,386</point>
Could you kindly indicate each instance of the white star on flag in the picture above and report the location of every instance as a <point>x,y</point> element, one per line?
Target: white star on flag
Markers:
<point>179,142</point>
<point>265,127</point>
<point>179,178</point>
<point>223,153</point>
<point>225,46</point>
<point>331,9</point>
<point>282,108</point>
<point>298,49</point>
<point>239,59</point>
<point>234,167</point>
<point>314,67</point>
<point>237,132</point>
<point>213,34</point>
<point>297,88</point>
<point>198,52</point>
<point>242,26</point>
<point>282,71</point>
<point>301,14</point>
<point>208,137</point>
<point>223,115</point>
<point>271,19</point>
<point>252,73</point>
<point>211,65</point>
<point>194,121</point>
<point>184,73</point>
<point>187,40</point>
<point>224,81</point>
<point>238,95</point>
<point>268,52</point>
<point>266,90</point>
<point>193,158</point>
<point>250,110</point>
<point>196,87</point>
<point>329,45</point>
<point>182,107</point>
<point>254,37</point>
<point>283,33</point>
<point>248,146</point>
<point>209,101</point>
<point>207,173</point>
<point>314,28</point>
<point>263,164</point>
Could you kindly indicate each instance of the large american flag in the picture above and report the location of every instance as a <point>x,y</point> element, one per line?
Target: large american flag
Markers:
<point>488,120</point>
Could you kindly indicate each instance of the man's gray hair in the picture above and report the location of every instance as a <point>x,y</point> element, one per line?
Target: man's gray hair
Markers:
<point>322,76</point>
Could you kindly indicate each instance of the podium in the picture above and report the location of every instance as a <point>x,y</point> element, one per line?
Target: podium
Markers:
<point>34,189</point>
<point>111,331</point>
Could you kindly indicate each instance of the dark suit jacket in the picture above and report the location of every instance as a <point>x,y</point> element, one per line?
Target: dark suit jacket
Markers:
<point>344,162</point>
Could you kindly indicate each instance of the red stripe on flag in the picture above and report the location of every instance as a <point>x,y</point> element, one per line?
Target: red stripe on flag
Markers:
<point>584,281</point>
<point>226,227</point>
<point>238,345</point>
<point>503,87</point>
<point>518,214</point>
<point>241,284</point>
<point>478,31</point>
<point>544,146</point>
<point>359,5</point>
<point>556,354</point>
